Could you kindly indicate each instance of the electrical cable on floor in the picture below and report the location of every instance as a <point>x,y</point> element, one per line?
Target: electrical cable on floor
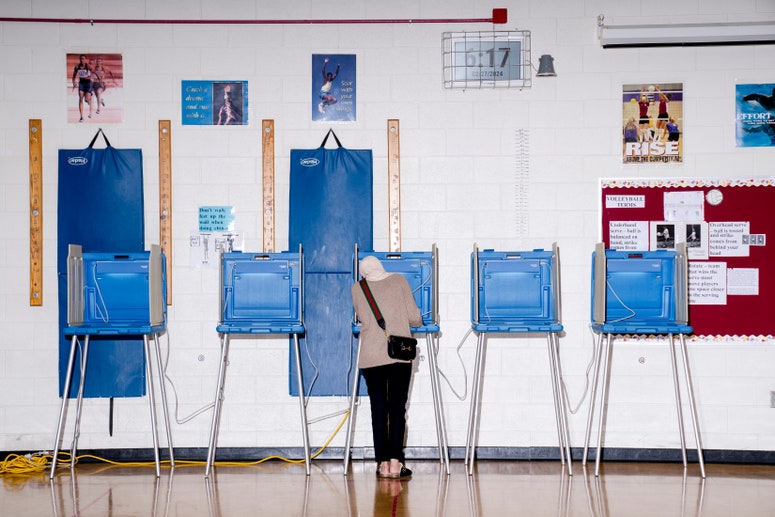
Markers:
<point>40,462</point>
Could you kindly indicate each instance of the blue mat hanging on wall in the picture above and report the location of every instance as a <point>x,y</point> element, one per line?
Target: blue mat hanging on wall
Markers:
<point>100,207</point>
<point>331,209</point>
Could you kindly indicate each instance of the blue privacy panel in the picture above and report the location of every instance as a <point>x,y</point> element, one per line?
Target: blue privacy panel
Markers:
<point>331,205</point>
<point>100,207</point>
<point>639,286</point>
<point>515,286</point>
<point>261,293</point>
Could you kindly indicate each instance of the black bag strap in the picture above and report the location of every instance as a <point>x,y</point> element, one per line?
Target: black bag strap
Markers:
<point>99,132</point>
<point>331,132</point>
<point>372,303</point>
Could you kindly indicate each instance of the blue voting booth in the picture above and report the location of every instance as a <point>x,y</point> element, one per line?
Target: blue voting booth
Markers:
<point>114,295</point>
<point>421,272</point>
<point>640,293</point>
<point>260,294</point>
<point>516,292</point>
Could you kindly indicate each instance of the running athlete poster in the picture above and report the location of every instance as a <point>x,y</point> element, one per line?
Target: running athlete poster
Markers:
<point>755,114</point>
<point>652,123</point>
<point>333,87</point>
<point>95,86</point>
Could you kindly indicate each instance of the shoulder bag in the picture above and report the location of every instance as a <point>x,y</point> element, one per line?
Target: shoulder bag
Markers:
<point>399,347</point>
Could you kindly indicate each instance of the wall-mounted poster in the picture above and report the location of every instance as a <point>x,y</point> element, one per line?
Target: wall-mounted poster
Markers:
<point>214,103</point>
<point>652,123</point>
<point>755,105</point>
<point>333,87</point>
<point>95,84</point>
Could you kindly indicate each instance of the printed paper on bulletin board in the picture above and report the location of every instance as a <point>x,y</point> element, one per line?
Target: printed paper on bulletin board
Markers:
<point>730,218</point>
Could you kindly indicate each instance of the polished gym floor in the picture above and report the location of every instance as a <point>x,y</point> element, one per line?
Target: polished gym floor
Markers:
<point>496,488</point>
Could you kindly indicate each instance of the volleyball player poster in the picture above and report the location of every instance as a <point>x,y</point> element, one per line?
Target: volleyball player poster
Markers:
<point>652,123</point>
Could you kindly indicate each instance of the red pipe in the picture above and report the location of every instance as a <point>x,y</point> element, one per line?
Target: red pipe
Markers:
<point>499,16</point>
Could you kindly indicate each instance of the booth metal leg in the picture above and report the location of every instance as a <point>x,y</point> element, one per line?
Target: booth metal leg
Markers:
<point>592,397</point>
<point>302,404</point>
<point>152,404</point>
<point>217,404</point>
<point>476,402</point>
<point>678,405</point>
<point>165,406</point>
<point>79,402</point>
<point>353,402</point>
<point>692,404</point>
<point>63,408</point>
<point>560,410</point>
<point>441,427</point>
<point>602,363</point>
<point>605,359</point>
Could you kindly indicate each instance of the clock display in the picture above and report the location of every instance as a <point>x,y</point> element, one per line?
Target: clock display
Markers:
<point>495,59</point>
<point>487,60</point>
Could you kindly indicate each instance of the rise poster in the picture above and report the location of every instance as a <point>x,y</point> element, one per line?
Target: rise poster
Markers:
<point>652,123</point>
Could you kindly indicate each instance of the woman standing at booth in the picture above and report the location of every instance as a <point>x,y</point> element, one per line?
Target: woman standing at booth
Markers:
<point>387,379</point>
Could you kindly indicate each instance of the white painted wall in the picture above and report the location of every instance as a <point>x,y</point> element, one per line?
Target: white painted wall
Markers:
<point>459,186</point>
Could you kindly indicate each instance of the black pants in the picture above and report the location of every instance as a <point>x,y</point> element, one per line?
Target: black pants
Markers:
<point>388,392</point>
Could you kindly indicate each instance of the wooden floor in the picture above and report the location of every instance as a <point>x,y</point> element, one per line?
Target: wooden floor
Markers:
<point>497,488</point>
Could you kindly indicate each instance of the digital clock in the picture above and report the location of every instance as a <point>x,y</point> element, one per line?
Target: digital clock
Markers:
<point>481,59</point>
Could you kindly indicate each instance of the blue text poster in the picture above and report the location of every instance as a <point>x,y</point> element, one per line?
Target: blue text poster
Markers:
<point>755,114</point>
<point>209,103</point>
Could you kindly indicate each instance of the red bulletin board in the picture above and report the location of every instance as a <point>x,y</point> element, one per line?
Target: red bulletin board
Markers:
<point>746,200</point>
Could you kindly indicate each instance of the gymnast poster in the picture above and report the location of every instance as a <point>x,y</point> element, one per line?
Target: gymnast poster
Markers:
<point>755,115</point>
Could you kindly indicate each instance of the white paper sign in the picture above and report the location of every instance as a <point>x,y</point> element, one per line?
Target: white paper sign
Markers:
<point>620,201</point>
<point>743,281</point>
<point>725,239</point>
<point>707,283</point>
<point>628,235</point>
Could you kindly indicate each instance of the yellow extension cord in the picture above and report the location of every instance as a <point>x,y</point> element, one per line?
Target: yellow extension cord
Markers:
<point>34,463</point>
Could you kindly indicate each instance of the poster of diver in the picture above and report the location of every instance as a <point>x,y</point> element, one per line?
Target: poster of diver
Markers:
<point>333,87</point>
<point>652,123</point>
<point>755,115</point>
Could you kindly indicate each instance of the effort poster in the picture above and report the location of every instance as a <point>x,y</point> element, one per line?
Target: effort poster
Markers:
<point>755,114</point>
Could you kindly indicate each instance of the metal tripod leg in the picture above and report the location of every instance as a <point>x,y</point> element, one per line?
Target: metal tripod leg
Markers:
<point>560,409</point>
<point>302,404</point>
<point>592,397</point>
<point>216,422</point>
<point>676,389</point>
<point>351,414</point>
<point>152,404</point>
<point>79,402</point>
<point>165,407</point>
<point>692,404</point>
<point>476,400</point>
<point>441,427</point>
<point>63,408</point>
<point>605,358</point>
